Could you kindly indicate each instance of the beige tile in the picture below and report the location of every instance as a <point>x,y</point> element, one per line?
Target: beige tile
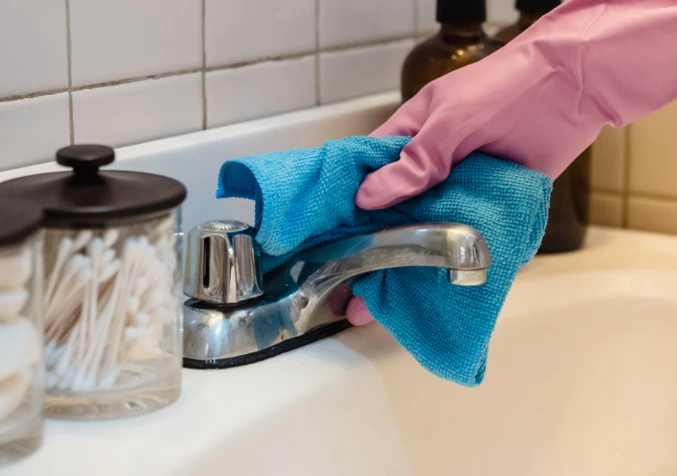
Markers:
<point>651,214</point>
<point>606,209</point>
<point>608,157</point>
<point>653,153</point>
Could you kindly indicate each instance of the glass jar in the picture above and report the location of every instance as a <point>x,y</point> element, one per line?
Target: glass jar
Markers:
<point>112,290</point>
<point>21,363</point>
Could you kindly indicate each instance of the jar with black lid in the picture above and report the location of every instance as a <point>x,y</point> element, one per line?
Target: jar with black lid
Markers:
<point>111,291</point>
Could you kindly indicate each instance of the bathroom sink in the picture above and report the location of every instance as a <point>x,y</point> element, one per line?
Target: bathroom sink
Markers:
<point>581,378</point>
<point>580,382</point>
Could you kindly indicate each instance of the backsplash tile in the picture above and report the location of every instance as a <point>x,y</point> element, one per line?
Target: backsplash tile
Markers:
<point>261,29</point>
<point>145,69</point>
<point>606,209</point>
<point>653,154</point>
<point>31,130</point>
<point>609,160</point>
<point>425,17</point>
<point>651,214</point>
<point>258,90</point>
<point>360,71</point>
<point>350,22</point>
<point>113,40</point>
<point>33,47</point>
<point>139,111</point>
<point>501,12</point>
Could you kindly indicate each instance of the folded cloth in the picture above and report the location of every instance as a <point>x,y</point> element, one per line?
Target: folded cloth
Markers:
<point>306,197</point>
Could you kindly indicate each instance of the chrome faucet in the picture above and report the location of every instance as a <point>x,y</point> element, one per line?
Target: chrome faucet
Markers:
<point>237,317</point>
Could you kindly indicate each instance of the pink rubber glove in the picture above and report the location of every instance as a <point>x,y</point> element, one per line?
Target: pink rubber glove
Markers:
<point>539,101</point>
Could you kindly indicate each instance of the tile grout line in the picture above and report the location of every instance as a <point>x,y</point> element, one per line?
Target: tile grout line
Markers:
<point>267,59</point>
<point>203,14</point>
<point>626,178</point>
<point>317,52</point>
<point>205,69</point>
<point>366,44</point>
<point>69,49</point>
<point>37,94</point>
<point>650,196</point>
<point>137,79</point>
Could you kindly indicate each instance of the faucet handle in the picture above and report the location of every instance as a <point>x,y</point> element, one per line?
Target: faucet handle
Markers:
<point>222,263</point>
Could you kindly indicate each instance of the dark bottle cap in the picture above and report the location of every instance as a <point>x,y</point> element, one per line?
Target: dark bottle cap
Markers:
<point>461,11</point>
<point>537,6</point>
<point>18,220</point>
<point>88,197</point>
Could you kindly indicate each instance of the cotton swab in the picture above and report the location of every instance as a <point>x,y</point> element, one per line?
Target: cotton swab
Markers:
<point>104,292</point>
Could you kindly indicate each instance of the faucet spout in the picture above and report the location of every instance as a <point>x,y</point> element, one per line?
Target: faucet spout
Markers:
<point>295,298</point>
<point>458,248</point>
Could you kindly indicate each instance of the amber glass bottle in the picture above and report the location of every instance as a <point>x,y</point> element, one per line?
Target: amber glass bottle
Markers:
<point>569,203</point>
<point>459,42</point>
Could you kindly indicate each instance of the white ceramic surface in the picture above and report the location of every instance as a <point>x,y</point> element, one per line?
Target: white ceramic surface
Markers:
<point>32,59</point>
<point>31,130</point>
<point>252,91</point>
<point>579,383</point>
<point>138,112</point>
<point>133,38</point>
<point>239,31</point>
<point>425,17</point>
<point>350,22</point>
<point>360,71</point>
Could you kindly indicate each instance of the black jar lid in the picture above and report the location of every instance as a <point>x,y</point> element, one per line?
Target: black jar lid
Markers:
<point>18,220</point>
<point>89,198</point>
<point>537,6</point>
<point>461,11</point>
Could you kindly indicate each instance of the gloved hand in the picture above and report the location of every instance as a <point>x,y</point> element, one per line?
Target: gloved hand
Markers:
<point>539,101</point>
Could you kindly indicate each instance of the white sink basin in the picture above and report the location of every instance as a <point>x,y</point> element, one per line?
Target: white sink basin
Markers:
<point>580,382</point>
<point>581,377</point>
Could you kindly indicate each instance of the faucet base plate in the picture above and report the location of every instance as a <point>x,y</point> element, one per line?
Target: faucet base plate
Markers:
<point>314,335</point>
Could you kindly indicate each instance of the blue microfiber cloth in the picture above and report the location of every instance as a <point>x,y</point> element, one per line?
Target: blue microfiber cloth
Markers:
<point>306,197</point>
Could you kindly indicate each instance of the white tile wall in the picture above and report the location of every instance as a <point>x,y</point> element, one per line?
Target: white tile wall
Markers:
<point>360,71</point>
<point>143,69</point>
<point>32,46</point>
<point>350,22</point>
<point>425,17</point>
<point>262,89</point>
<point>119,39</point>
<point>139,111</point>
<point>239,31</point>
<point>31,130</point>
<point>501,12</point>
